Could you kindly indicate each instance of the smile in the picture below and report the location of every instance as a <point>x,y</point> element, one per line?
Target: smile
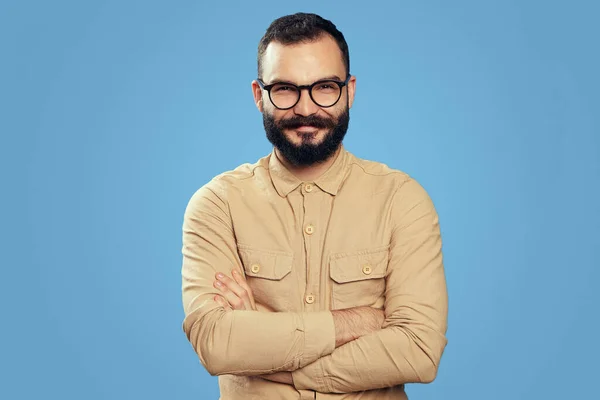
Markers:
<point>306,129</point>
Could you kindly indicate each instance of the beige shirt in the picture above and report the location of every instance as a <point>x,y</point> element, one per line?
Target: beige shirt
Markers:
<point>361,235</point>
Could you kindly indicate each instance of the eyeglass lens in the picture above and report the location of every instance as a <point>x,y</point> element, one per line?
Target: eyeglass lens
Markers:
<point>325,94</point>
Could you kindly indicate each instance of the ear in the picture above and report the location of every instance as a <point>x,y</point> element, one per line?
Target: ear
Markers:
<point>258,95</point>
<point>351,90</point>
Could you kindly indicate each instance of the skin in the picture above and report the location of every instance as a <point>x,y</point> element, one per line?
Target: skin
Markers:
<point>302,64</point>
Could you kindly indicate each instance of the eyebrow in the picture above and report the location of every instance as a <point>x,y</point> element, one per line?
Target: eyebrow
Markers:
<point>327,78</point>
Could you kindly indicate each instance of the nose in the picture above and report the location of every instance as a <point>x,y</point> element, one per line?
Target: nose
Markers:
<point>305,105</point>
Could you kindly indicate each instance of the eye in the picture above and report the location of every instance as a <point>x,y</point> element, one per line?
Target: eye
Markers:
<point>283,88</point>
<point>326,86</point>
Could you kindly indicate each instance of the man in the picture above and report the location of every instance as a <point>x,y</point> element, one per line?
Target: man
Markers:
<point>312,273</point>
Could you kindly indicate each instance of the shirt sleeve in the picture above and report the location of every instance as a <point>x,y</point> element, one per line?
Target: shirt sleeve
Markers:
<point>238,342</point>
<point>409,347</point>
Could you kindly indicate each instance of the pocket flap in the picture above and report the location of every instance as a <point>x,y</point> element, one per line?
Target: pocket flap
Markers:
<point>267,264</point>
<point>360,265</point>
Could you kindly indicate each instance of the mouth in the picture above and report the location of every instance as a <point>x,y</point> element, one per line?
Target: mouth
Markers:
<point>306,129</point>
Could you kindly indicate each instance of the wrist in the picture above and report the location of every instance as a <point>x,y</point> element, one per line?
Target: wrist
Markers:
<point>345,328</point>
<point>352,323</point>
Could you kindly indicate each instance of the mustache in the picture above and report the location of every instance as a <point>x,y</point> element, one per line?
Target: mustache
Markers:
<point>312,120</point>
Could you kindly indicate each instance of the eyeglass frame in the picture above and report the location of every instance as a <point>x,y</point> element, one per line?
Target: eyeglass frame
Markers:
<point>268,88</point>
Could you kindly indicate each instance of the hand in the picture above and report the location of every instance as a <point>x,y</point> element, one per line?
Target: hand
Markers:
<point>236,294</point>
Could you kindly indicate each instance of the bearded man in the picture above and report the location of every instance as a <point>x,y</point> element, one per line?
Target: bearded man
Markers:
<point>312,273</point>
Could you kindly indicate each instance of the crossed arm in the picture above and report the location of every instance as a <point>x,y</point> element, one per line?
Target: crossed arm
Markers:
<point>407,348</point>
<point>350,324</point>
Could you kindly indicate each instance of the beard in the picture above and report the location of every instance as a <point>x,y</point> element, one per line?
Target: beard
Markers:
<point>307,153</point>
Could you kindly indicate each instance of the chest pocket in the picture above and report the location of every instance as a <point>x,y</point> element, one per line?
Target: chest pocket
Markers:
<point>268,273</point>
<point>358,279</point>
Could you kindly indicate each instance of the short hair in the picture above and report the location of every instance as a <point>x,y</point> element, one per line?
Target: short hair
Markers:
<point>301,28</point>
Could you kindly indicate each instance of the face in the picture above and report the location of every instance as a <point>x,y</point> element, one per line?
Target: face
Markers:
<point>307,133</point>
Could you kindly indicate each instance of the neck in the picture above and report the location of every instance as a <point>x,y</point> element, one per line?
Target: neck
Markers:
<point>308,172</point>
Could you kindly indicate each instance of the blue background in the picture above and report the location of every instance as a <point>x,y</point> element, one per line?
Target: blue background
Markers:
<point>114,112</point>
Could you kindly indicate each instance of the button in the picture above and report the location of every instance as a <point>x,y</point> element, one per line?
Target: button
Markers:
<point>367,269</point>
<point>310,298</point>
<point>255,268</point>
<point>308,187</point>
<point>309,229</point>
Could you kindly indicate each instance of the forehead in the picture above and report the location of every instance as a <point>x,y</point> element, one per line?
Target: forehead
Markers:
<point>303,63</point>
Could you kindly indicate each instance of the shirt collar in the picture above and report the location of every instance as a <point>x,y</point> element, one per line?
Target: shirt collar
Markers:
<point>285,182</point>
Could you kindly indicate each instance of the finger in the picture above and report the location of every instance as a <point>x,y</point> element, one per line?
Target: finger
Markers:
<point>223,303</point>
<point>234,301</point>
<point>242,282</point>
<point>237,289</point>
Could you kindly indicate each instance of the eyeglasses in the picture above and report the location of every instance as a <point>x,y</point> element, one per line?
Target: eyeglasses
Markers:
<point>285,95</point>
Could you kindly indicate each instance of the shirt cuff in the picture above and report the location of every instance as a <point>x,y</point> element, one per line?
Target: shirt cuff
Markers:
<point>319,335</point>
<point>310,377</point>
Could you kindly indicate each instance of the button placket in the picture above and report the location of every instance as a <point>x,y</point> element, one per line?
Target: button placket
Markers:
<point>311,210</point>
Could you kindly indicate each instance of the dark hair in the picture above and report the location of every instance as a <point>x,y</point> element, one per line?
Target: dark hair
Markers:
<point>298,28</point>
